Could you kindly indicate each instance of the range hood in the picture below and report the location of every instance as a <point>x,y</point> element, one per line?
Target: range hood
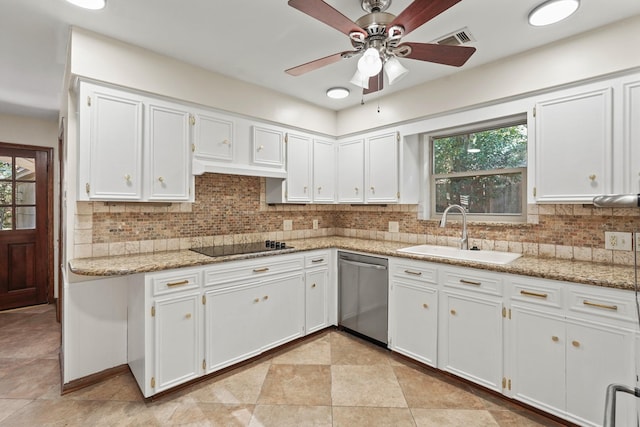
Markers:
<point>617,201</point>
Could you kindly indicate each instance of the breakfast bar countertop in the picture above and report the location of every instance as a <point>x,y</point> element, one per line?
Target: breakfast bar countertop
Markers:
<point>590,273</point>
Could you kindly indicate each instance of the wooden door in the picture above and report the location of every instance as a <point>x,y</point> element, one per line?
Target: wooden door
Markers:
<point>25,215</point>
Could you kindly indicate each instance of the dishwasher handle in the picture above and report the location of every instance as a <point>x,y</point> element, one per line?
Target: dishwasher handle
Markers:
<point>362,264</point>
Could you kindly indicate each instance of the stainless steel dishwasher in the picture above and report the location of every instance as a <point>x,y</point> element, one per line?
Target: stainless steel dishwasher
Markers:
<point>363,285</point>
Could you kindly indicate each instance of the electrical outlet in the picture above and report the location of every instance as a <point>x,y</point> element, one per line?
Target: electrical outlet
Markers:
<point>394,227</point>
<point>617,241</point>
<point>287,225</point>
<point>315,224</point>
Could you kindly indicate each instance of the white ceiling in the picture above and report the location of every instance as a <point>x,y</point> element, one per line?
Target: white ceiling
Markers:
<point>256,40</point>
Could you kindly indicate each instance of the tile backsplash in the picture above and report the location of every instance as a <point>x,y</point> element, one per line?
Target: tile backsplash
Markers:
<point>232,209</point>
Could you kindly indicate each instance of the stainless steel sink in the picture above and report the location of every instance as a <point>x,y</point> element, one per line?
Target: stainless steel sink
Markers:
<point>489,257</point>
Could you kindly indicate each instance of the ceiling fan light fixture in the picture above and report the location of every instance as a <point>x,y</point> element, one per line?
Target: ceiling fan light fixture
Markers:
<point>338,92</point>
<point>394,70</point>
<point>370,64</point>
<point>360,80</point>
<point>552,11</point>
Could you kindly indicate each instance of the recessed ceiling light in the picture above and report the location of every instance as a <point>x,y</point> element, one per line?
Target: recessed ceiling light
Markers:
<point>338,92</point>
<point>552,11</point>
<point>89,4</point>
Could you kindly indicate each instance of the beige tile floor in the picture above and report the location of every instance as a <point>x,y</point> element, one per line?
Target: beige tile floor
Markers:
<point>331,379</point>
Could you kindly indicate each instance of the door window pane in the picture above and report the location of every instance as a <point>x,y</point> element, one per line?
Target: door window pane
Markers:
<point>6,219</point>
<point>25,217</point>
<point>6,167</point>
<point>5,193</point>
<point>25,193</point>
<point>25,169</point>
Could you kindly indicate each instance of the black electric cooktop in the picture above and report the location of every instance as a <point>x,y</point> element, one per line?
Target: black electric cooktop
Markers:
<point>242,248</point>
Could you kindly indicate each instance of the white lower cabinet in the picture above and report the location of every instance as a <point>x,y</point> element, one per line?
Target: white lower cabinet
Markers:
<point>413,310</point>
<point>470,326</point>
<point>316,291</point>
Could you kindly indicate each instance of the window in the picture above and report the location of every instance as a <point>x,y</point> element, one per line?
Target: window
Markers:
<point>484,170</point>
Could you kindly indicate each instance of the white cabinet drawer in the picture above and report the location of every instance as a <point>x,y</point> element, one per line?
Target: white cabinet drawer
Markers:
<point>536,291</point>
<point>601,303</point>
<point>176,281</point>
<point>420,271</point>
<point>316,259</point>
<point>472,280</point>
<point>252,269</point>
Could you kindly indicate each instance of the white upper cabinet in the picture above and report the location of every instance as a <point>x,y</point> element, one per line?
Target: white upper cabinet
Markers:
<point>631,132</point>
<point>574,147</point>
<point>213,137</point>
<point>268,147</point>
<point>324,171</point>
<point>382,168</point>
<point>122,160</point>
<point>110,157</point>
<point>299,152</point>
<point>351,171</point>
<point>169,169</point>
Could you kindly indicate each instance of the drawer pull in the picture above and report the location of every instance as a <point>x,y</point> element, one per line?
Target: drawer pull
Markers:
<point>317,260</point>
<point>453,312</point>
<point>266,297</point>
<point>260,270</point>
<point>188,316</point>
<point>180,283</point>
<point>555,338</point>
<point>575,343</point>
<point>470,282</point>
<point>313,286</point>
<point>415,273</point>
<point>425,305</point>
<point>534,294</point>
<point>605,306</point>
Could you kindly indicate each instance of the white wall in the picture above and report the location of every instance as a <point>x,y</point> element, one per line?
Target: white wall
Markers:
<point>98,57</point>
<point>596,53</point>
<point>40,133</point>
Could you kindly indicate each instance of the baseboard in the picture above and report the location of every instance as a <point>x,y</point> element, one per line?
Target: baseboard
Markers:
<point>92,379</point>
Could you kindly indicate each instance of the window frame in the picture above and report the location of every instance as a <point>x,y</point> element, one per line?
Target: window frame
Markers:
<point>473,128</point>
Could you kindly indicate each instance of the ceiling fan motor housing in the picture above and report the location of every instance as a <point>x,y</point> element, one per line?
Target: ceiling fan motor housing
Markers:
<point>375,5</point>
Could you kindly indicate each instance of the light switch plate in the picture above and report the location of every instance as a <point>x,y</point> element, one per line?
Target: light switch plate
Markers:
<point>315,224</point>
<point>287,225</point>
<point>394,227</point>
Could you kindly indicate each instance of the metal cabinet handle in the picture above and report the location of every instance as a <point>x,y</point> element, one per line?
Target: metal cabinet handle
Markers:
<point>415,273</point>
<point>605,306</point>
<point>453,312</point>
<point>256,300</point>
<point>425,305</point>
<point>592,177</point>
<point>319,189</point>
<point>356,188</point>
<point>534,294</point>
<point>317,260</point>
<point>161,179</point>
<point>127,178</point>
<point>313,286</point>
<point>188,316</point>
<point>470,282</point>
<point>260,270</point>
<point>180,283</point>
<point>575,343</point>
<point>266,297</point>
<point>260,148</point>
<point>373,189</point>
<point>555,338</point>
<point>305,188</point>
<point>226,142</point>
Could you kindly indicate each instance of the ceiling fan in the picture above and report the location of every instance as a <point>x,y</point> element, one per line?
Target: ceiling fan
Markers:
<point>377,37</point>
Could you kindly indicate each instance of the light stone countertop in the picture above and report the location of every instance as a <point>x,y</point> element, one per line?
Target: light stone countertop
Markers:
<point>597,274</point>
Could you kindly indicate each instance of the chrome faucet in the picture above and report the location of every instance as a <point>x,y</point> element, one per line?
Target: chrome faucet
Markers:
<point>464,240</point>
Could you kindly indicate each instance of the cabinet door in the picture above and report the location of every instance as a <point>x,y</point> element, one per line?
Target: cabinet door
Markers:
<point>324,171</point>
<point>415,321</point>
<point>213,137</point>
<point>177,340</point>
<point>598,355</point>
<point>382,168</point>
<point>574,134</point>
<point>268,147</point>
<point>298,168</point>
<point>537,356</point>
<point>631,149</point>
<point>316,300</point>
<point>233,324</point>
<point>351,171</point>
<point>282,310</point>
<point>114,133</point>
<point>471,345</point>
<point>169,175</point>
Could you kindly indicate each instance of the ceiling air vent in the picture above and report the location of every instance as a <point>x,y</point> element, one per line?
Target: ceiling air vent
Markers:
<point>456,38</point>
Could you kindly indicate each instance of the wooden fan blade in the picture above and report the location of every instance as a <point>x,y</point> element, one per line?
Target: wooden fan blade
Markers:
<point>419,12</point>
<point>376,83</point>
<point>321,11</point>
<point>318,63</point>
<point>439,53</point>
